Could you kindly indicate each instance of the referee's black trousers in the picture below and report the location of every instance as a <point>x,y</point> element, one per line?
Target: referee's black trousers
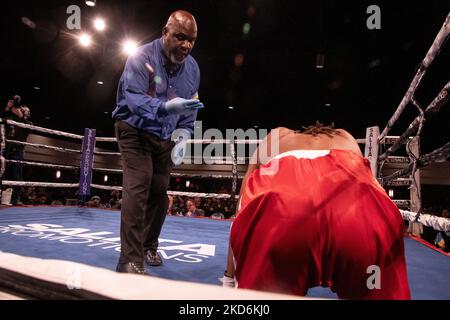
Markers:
<point>146,172</point>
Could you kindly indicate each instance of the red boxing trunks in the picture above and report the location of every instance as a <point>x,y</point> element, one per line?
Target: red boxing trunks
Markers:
<point>319,220</point>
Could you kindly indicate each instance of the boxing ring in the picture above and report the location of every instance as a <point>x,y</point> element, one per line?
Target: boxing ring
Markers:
<point>71,251</point>
<point>194,249</point>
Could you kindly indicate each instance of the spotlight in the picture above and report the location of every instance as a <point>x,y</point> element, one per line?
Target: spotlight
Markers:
<point>320,60</point>
<point>391,193</point>
<point>246,28</point>
<point>99,24</point>
<point>129,47</point>
<point>90,3</point>
<point>188,183</point>
<point>105,178</point>
<point>100,82</point>
<point>58,174</point>
<point>85,40</point>
<point>29,23</point>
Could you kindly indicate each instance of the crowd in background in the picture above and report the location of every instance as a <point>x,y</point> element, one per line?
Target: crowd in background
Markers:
<point>218,208</point>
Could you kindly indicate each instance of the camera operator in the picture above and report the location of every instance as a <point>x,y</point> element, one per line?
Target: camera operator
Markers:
<point>20,113</point>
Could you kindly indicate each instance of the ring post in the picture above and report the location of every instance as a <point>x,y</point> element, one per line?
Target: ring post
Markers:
<point>86,164</point>
<point>415,194</point>
<point>371,149</point>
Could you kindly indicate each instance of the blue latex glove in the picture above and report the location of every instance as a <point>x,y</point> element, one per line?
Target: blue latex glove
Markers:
<point>180,136</point>
<point>179,105</point>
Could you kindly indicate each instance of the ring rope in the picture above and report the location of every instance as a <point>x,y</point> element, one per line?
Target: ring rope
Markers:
<point>105,139</point>
<point>201,195</point>
<point>397,160</point>
<point>103,187</point>
<point>105,153</point>
<point>215,159</point>
<point>439,155</point>
<point>2,149</point>
<point>437,223</point>
<point>39,184</point>
<point>442,35</point>
<point>42,164</point>
<point>45,130</point>
<point>43,146</point>
<point>173,193</point>
<point>213,176</point>
<point>399,182</point>
<point>416,126</point>
<point>119,171</point>
<point>108,170</point>
<point>198,141</point>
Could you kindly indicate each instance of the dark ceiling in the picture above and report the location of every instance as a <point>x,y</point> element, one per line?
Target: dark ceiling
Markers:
<point>365,75</point>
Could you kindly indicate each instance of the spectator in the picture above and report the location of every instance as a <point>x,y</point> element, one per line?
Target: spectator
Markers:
<point>223,189</point>
<point>96,202</point>
<point>17,112</point>
<point>170,204</point>
<point>115,202</point>
<point>192,211</point>
<point>445,235</point>
<point>428,234</point>
<point>29,196</point>
<point>41,199</point>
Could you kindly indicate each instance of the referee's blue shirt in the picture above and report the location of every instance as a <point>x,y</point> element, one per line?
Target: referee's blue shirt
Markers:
<point>140,95</point>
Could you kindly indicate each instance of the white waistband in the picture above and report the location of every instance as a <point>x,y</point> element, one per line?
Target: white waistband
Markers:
<point>308,154</point>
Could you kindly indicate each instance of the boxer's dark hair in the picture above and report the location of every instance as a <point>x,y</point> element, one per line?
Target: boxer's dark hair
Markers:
<point>320,128</point>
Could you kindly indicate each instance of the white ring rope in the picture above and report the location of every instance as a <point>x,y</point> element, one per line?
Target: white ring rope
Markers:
<point>442,35</point>
<point>437,223</point>
<point>213,159</point>
<point>105,153</point>
<point>42,164</point>
<point>105,139</point>
<point>201,195</point>
<point>45,130</point>
<point>43,146</point>
<point>386,140</point>
<point>174,193</point>
<point>39,184</point>
<point>118,171</point>
<point>224,141</point>
<point>108,170</point>
<point>213,176</point>
<point>103,187</point>
<point>198,141</point>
